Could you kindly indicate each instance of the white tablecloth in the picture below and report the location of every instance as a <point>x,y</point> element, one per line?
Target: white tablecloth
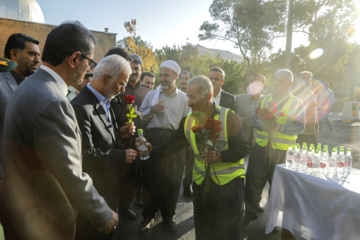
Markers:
<point>312,207</point>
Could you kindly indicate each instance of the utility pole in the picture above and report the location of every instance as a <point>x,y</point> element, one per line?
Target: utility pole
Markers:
<point>289,32</point>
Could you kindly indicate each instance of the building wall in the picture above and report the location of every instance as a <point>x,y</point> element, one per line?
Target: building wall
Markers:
<point>40,31</point>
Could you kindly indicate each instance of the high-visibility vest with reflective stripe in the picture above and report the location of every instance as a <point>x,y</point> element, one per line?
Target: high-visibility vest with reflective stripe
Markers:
<point>278,140</point>
<point>220,172</point>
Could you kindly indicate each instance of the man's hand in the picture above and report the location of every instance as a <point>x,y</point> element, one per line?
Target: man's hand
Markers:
<point>147,144</point>
<point>113,223</point>
<point>127,131</point>
<point>159,107</point>
<point>130,155</point>
<point>137,112</point>
<point>211,156</point>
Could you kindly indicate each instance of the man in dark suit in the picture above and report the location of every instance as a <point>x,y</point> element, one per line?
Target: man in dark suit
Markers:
<point>102,157</point>
<point>221,97</point>
<point>44,185</point>
<point>23,50</point>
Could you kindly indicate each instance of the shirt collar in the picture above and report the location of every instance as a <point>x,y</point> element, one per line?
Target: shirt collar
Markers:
<point>62,84</point>
<point>175,92</point>
<point>98,95</point>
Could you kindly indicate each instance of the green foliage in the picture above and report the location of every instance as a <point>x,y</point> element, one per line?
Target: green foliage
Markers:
<point>188,58</point>
<point>250,25</point>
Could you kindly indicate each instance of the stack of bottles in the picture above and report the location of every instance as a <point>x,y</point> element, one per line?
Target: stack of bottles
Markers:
<point>319,160</point>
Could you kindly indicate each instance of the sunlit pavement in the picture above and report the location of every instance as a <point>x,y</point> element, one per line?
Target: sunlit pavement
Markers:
<point>347,134</point>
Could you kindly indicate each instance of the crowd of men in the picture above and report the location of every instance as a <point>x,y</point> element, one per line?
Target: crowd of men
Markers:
<point>69,162</point>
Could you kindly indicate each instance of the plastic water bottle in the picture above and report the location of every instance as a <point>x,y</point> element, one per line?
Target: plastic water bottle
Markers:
<point>340,163</point>
<point>324,162</point>
<point>348,161</point>
<point>332,162</point>
<point>309,162</point>
<point>316,163</point>
<point>303,158</point>
<point>290,158</point>
<point>297,157</point>
<point>144,152</point>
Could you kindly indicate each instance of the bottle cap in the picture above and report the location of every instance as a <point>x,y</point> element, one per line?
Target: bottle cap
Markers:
<point>140,131</point>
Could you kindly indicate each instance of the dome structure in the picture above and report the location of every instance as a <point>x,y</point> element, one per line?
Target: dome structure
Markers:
<point>22,10</point>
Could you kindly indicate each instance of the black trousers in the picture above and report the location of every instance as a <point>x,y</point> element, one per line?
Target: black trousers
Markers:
<point>309,139</point>
<point>219,214</point>
<point>262,163</point>
<point>189,165</point>
<point>162,178</point>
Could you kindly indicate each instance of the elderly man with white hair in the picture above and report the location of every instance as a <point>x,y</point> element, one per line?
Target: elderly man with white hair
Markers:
<point>103,155</point>
<point>273,139</point>
<point>162,176</point>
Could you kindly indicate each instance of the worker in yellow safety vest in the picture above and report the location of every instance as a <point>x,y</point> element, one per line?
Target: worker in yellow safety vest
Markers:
<point>273,138</point>
<point>218,187</point>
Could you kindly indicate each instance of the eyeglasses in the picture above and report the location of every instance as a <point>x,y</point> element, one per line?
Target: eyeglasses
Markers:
<point>121,85</point>
<point>92,63</point>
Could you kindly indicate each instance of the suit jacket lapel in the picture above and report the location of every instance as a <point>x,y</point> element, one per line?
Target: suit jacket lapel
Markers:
<point>99,110</point>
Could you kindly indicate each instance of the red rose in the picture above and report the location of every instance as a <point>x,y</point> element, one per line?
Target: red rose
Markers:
<point>197,128</point>
<point>129,99</point>
<point>209,124</point>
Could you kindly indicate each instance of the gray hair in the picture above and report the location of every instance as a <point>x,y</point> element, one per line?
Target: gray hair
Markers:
<point>113,65</point>
<point>204,83</point>
<point>284,73</point>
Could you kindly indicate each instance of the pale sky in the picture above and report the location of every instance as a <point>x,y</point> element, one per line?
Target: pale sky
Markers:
<point>160,22</point>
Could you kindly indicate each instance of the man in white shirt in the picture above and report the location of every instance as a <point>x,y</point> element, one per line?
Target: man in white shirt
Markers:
<point>221,97</point>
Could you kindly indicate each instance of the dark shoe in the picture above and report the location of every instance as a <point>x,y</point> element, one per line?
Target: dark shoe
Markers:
<point>145,224</point>
<point>139,201</point>
<point>188,192</point>
<point>128,213</point>
<point>170,225</point>
<point>248,219</point>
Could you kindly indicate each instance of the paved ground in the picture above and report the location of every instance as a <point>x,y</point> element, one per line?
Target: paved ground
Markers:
<point>347,134</point>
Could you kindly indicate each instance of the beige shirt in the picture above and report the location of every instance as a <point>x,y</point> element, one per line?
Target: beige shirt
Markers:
<point>175,109</point>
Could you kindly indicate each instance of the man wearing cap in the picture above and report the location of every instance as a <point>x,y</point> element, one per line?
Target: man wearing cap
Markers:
<point>23,50</point>
<point>135,87</point>
<point>73,91</point>
<point>162,176</point>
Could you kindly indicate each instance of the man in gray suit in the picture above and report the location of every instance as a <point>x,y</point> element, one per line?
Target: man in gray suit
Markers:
<point>44,185</point>
<point>23,50</point>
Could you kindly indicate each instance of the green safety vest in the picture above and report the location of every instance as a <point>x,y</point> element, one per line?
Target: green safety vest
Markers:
<point>220,172</point>
<point>278,140</point>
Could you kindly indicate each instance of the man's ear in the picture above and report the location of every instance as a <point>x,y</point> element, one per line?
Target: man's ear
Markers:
<point>208,97</point>
<point>222,82</point>
<point>74,59</point>
<point>14,55</point>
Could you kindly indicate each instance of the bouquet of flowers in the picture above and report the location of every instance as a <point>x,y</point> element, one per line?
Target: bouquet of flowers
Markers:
<point>129,99</point>
<point>208,138</point>
<point>208,135</point>
<point>270,113</point>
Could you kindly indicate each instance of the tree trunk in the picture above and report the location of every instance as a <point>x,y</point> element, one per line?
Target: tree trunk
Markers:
<point>289,37</point>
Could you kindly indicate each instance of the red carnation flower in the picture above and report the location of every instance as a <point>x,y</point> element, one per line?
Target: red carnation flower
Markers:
<point>129,99</point>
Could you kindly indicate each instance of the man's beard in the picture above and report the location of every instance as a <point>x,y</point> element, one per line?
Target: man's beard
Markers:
<point>168,86</point>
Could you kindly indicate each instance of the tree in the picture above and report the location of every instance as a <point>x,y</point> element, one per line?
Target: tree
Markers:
<point>134,44</point>
<point>188,58</point>
<point>251,25</point>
